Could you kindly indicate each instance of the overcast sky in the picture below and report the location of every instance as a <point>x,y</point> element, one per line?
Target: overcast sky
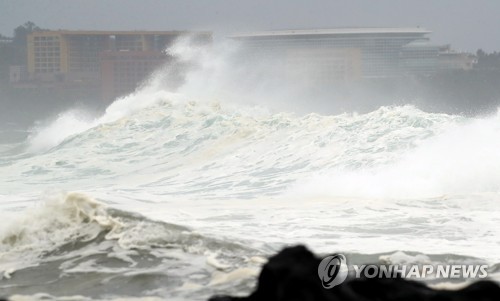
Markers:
<point>466,25</point>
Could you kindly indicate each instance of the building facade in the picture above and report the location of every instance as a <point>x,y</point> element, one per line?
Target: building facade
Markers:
<point>348,53</point>
<point>121,70</point>
<point>115,60</point>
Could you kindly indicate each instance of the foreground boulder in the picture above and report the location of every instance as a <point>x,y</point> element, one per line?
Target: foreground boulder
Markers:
<point>292,275</point>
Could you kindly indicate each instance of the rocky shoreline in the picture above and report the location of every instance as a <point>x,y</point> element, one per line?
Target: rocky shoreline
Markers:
<point>292,274</point>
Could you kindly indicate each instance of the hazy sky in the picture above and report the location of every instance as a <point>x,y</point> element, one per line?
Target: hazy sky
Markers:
<point>466,25</point>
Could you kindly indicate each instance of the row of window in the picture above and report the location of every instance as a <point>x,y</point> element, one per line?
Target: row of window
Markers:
<point>46,60</point>
<point>84,69</point>
<point>47,55</point>
<point>47,65</point>
<point>46,44</point>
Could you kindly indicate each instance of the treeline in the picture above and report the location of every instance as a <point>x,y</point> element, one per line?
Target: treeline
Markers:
<point>472,91</point>
<point>468,92</point>
<point>487,61</point>
<point>13,50</point>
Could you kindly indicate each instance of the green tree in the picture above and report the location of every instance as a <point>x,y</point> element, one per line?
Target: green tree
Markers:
<point>487,61</point>
<point>14,52</point>
<point>21,33</point>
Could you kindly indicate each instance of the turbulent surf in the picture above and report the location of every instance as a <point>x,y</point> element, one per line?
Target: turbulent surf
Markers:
<point>181,196</point>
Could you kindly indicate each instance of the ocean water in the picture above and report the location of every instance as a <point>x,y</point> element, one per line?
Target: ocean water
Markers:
<point>181,195</point>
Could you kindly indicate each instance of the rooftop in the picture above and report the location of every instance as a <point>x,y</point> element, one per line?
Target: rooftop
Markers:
<point>117,32</point>
<point>336,31</point>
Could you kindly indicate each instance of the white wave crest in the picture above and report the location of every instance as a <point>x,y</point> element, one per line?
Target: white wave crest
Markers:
<point>462,159</point>
<point>62,219</point>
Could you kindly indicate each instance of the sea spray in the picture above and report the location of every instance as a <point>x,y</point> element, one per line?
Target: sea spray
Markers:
<point>199,181</point>
<point>461,159</point>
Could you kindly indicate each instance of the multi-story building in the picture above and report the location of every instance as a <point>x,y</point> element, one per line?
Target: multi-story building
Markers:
<point>116,60</point>
<point>347,53</point>
<point>121,70</point>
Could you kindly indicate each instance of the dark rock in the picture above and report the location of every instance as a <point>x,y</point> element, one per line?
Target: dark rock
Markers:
<point>292,275</point>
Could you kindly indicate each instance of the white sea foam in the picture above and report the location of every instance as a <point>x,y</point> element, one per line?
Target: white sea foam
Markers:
<point>396,178</point>
<point>461,159</point>
<point>76,235</point>
<point>62,219</point>
<point>46,136</point>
